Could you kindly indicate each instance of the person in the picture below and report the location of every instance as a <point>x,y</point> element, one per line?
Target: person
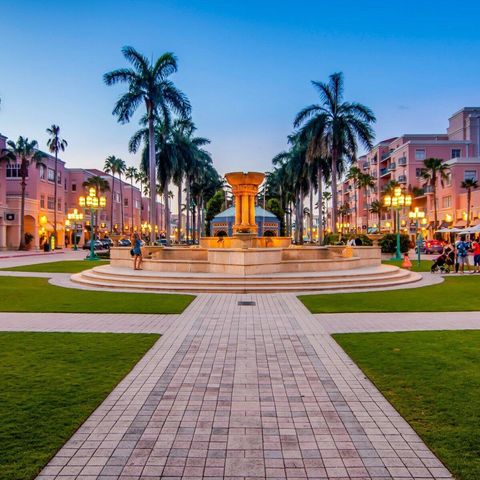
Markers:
<point>462,247</point>
<point>406,261</point>
<point>137,252</point>
<point>476,255</point>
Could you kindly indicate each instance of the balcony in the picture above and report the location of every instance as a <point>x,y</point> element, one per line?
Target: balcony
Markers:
<point>392,166</point>
<point>428,189</point>
<point>386,155</point>
<point>402,161</point>
<point>384,171</point>
<point>366,165</point>
<point>402,179</point>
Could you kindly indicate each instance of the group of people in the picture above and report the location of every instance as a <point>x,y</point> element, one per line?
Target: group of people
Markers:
<point>458,255</point>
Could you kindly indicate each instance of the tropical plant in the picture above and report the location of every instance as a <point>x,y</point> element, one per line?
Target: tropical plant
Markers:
<point>335,126</point>
<point>110,166</point>
<point>434,169</point>
<point>354,174</point>
<point>27,152</point>
<point>149,83</point>
<point>55,144</point>
<point>365,182</point>
<point>388,243</point>
<point>376,208</point>
<point>131,173</point>
<point>469,184</point>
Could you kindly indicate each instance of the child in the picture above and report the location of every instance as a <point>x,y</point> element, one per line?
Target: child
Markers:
<point>406,262</point>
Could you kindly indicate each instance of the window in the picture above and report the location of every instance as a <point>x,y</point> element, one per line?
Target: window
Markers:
<point>42,172</point>
<point>125,202</point>
<point>59,178</point>
<point>51,175</point>
<point>59,204</point>
<point>51,203</point>
<point>117,197</point>
<point>13,170</point>
<point>448,180</point>
<point>470,175</point>
<point>74,187</point>
<point>418,172</point>
<point>447,202</point>
<point>456,153</point>
<point>420,154</point>
<point>42,201</point>
<point>138,204</point>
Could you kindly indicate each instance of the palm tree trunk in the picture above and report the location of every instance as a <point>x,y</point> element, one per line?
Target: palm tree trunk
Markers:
<point>187,201</point>
<point>310,218</point>
<point>334,190</point>
<point>199,218</point>
<point>131,199</point>
<point>202,219</point>
<point>179,204</point>
<point>320,205</point>
<point>55,199</point>
<point>167,213</point>
<point>22,215</point>
<point>469,198</point>
<point>435,205</point>
<point>302,209</point>
<point>121,202</point>
<point>111,206</point>
<point>152,174</point>
<point>194,224</point>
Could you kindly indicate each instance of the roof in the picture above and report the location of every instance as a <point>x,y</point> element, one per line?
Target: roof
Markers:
<point>230,213</point>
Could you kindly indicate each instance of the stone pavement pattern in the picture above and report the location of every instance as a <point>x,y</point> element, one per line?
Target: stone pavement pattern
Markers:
<point>237,392</point>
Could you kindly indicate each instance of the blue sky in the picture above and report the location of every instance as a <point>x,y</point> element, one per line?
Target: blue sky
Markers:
<point>246,67</point>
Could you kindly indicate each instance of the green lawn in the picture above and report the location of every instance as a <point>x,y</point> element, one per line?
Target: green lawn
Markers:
<point>66,266</point>
<point>26,294</point>
<point>424,264</point>
<point>433,380</point>
<point>455,294</point>
<point>50,383</point>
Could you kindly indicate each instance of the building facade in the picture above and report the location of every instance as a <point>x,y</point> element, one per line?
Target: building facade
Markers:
<point>130,210</point>
<point>399,160</point>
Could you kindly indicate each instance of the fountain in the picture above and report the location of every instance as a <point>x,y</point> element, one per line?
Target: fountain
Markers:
<point>245,262</point>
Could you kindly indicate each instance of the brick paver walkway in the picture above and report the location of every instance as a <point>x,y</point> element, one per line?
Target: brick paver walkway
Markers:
<point>234,391</point>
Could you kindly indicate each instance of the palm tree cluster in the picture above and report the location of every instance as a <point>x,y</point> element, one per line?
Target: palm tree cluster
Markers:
<point>170,151</point>
<point>325,141</point>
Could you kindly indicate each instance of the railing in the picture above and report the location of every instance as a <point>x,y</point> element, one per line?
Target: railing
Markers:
<point>384,171</point>
<point>366,165</point>
<point>386,155</point>
<point>392,166</point>
<point>402,179</point>
<point>402,161</point>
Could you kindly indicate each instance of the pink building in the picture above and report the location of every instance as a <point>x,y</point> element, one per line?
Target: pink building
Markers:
<point>401,158</point>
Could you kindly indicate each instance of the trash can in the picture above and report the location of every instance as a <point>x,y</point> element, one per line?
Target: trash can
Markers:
<point>46,247</point>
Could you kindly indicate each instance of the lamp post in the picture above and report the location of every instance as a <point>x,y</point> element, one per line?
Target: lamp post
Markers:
<point>92,202</point>
<point>416,215</point>
<point>397,201</point>
<point>75,217</point>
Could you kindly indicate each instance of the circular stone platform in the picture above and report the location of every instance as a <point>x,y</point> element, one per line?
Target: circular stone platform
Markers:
<point>188,282</point>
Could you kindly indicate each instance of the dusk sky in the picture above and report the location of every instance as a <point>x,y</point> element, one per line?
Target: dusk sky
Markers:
<point>246,67</point>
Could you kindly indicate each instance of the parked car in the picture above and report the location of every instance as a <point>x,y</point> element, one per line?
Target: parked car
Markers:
<point>124,242</point>
<point>107,242</point>
<point>161,242</point>
<point>431,246</point>
<point>98,245</point>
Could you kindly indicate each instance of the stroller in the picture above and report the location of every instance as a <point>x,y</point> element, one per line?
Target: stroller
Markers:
<point>443,263</point>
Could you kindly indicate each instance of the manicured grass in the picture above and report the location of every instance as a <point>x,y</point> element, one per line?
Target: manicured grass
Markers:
<point>424,264</point>
<point>66,266</point>
<point>433,380</point>
<point>50,383</point>
<point>455,294</point>
<point>25,294</point>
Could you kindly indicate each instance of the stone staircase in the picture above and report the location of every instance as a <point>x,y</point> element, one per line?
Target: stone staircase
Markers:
<point>145,280</point>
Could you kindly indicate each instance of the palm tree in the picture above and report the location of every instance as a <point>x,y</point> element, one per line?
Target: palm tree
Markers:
<point>55,144</point>
<point>110,166</point>
<point>469,184</point>
<point>101,186</point>
<point>354,174</point>
<point>365,182</point>
<point>131,173</point>
<point>27,152</point>
<point>376,208</point>
<point>435,169</point>
<point>337,126</point>
<point>148,83</point>
<point>120,169</point>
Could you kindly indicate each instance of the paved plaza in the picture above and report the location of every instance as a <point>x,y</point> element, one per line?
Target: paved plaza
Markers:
<point>243,391</point>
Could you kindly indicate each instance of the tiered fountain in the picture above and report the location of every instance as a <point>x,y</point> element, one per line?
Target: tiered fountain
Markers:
<point>245,262</point>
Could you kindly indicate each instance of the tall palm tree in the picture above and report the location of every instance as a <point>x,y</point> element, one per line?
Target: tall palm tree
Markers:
<point>365,182</point>
<point>148,82</point>
<point>55,144</point>
<point>131,173</point>
<point>354,174</point>
<point>101,186</point>
<point>376,208</point>
<point>27,152</point>
<point>435,169</point>
<point>120,169</point>
<point>338,125</point>
<point>110,166</point>
<point>469,184</point>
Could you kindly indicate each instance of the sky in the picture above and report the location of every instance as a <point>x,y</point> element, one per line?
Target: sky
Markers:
<point>245,65</point>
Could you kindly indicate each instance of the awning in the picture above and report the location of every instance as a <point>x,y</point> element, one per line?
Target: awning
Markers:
<point>445,224</point>
<point>475,222</point>
<point>460,223</point>
<point>451,230</point>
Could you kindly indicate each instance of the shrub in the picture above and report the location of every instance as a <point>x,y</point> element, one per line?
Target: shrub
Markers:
<point>332,239</point>
<point>388,243</point>
<point>28,238</point>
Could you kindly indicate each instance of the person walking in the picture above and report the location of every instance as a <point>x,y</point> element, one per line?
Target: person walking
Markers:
<point>462,247</point>
<point>137,252</point>
<point>476,255</point>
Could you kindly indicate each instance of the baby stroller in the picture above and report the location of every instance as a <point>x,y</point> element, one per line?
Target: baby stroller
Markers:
<point>443,263</point>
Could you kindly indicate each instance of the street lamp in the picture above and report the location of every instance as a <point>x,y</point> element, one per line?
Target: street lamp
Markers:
<point>76,217</point>
<point>397,201</point>
<point>92,202</point>
<point>417,215</point>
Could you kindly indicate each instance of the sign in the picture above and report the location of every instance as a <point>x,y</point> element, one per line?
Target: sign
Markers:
<point>10,217</point>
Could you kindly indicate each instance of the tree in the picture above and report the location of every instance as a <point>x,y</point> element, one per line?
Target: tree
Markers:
<point>354,174</point>
<point>376,208</point>
<point>110,166</point>
<point>365,182</point>
<point>148,83</point>
<point>55,144</point>
<point>120,168</point>
<point>27,152</point>
<point>214,206</point>
<point>469,184</point>
<point>131,173</point>
<point>337,126</point>
<point>435,169</point>
<point>101,186</point>
<point>274,206</point>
